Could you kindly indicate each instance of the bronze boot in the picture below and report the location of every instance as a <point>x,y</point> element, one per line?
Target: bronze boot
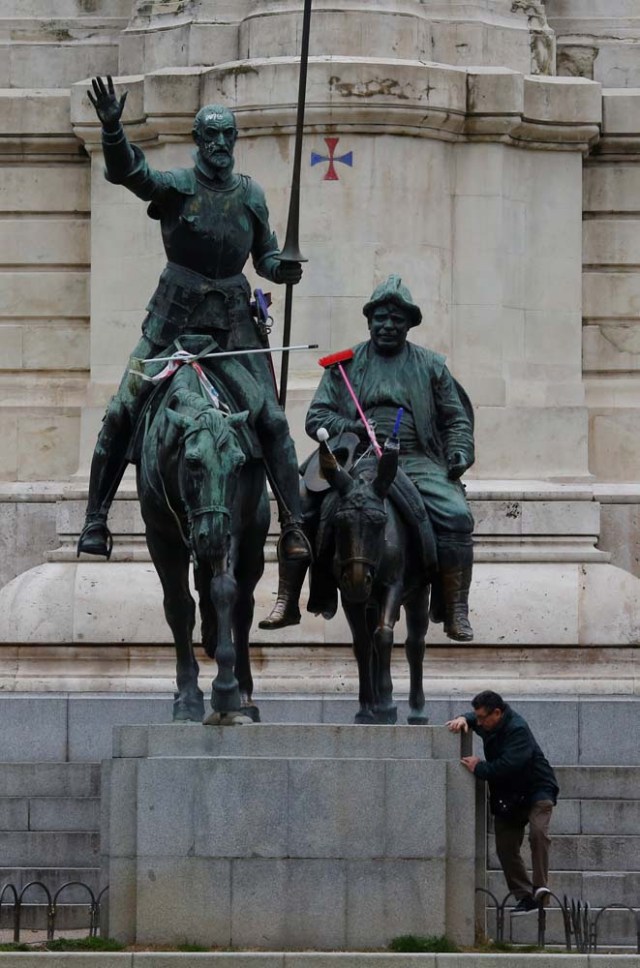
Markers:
<point>108,465</point>
<point>95,537</point>
<point>286,610</point>
<point>455,585</point>
<point>455,554</point>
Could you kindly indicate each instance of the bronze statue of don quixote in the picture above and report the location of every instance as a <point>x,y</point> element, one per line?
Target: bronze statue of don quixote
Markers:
<point>379,510</point>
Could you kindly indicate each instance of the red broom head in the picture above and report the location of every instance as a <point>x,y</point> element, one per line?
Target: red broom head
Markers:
<point>341,357</point>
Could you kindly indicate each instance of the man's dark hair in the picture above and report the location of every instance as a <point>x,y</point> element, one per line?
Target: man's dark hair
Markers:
<point>488,700</point>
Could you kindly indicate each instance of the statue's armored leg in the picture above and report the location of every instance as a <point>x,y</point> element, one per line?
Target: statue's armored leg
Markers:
<point>107,468</point>
<point>281,465</point>
<point>455,552</point>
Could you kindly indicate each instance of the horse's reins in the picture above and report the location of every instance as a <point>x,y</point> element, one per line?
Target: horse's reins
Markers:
<point>210,395</point>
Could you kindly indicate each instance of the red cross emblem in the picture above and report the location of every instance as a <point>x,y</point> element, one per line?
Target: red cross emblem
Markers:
<point>332,158</point>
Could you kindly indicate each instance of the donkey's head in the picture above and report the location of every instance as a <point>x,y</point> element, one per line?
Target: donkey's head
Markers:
<point>359,522</point>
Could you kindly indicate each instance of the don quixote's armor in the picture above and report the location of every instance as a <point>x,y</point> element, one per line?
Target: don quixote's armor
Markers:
<point>212,221</point>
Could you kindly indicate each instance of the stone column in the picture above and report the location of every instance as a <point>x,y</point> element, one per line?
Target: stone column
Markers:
<point>598,39</point>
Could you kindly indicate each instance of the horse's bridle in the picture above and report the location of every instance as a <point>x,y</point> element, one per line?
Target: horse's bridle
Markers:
<point>357,560</point>
<point>191,515</point>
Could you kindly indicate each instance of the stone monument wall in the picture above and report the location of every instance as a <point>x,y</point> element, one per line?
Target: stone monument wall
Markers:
<point>439,141</point>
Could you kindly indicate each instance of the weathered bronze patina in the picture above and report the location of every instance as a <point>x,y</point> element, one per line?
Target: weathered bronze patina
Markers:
<point>365,541</point>
<point>436,446</point>
<point>212,219</point>
<point>203,497</point>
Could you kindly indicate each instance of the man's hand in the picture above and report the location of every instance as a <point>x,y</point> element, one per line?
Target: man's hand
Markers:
<point>458,725</point>
<point>105,100</point>
<point>470,762</point>
<point>457,466</point>
<point>288,273</point>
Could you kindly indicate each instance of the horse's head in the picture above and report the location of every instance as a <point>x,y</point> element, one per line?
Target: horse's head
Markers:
<point>359,522</point>
<point>209,461</point>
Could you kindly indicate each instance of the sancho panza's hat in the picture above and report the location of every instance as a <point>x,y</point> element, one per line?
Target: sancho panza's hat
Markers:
<point>392,290</point>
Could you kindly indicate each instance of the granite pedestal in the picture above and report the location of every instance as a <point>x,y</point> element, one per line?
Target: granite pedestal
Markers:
<point>280,837</point>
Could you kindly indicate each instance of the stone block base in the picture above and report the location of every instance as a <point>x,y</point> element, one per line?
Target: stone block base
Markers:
<point>288,836</point>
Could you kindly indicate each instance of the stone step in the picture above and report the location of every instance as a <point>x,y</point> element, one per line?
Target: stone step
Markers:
<point>597,888</point>
<point>20,848</point>
<point>586,852</point>
<point>49,813</point>
<point>50,779</point>
<point>594,817</point>
<point>599,782</point>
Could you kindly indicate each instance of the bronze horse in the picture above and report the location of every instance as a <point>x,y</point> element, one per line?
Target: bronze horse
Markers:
<point>202,498</point>
<point>377,571</point>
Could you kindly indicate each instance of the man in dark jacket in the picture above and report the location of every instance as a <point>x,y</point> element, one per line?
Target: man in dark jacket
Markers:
<point>522,790</point>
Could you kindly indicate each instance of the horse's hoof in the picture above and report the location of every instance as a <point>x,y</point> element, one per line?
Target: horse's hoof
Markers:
<point>417,717</point>
<point>386,717</point>
<point>187,712</point>
<point>237,718</point>
<point>188,709</point>
<point>364,717</point>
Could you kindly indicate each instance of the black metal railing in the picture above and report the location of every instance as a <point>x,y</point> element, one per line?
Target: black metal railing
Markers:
<point>18,903</point>
<point>579,921</point>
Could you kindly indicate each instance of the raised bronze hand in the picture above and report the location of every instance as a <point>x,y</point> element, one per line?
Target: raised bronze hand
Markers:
<point>105,100</point>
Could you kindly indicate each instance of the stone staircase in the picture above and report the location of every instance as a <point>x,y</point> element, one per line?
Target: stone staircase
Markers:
<point>49,832</point>
<point>595,854</point>
<point>49,811</point>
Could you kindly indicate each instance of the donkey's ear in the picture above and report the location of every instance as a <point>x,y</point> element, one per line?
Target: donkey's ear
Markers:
<point>387,470</point>
<point>236,419</point>
<point>339,479</point>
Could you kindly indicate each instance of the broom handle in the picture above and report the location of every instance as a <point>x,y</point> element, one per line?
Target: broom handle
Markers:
<point>367,426</point>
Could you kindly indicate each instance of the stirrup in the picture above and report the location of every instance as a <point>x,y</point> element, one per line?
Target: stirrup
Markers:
<point>95,539</point>
<point>302,553</point>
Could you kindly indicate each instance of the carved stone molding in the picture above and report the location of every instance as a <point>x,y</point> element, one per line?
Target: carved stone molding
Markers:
<point>366,95</point>
<point>487,32</point>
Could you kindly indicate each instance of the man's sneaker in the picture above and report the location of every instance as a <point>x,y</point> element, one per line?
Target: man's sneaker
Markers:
<point>525,905</point>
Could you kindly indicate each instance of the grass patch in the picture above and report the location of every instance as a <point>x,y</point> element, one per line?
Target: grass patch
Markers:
<point>503,947</point>
<point>83,944</point>
<point>66,944</point>
<point>418,942</point>
<point>191,948</point>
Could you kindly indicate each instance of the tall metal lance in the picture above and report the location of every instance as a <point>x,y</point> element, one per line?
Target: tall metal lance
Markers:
<point>291,249</point>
